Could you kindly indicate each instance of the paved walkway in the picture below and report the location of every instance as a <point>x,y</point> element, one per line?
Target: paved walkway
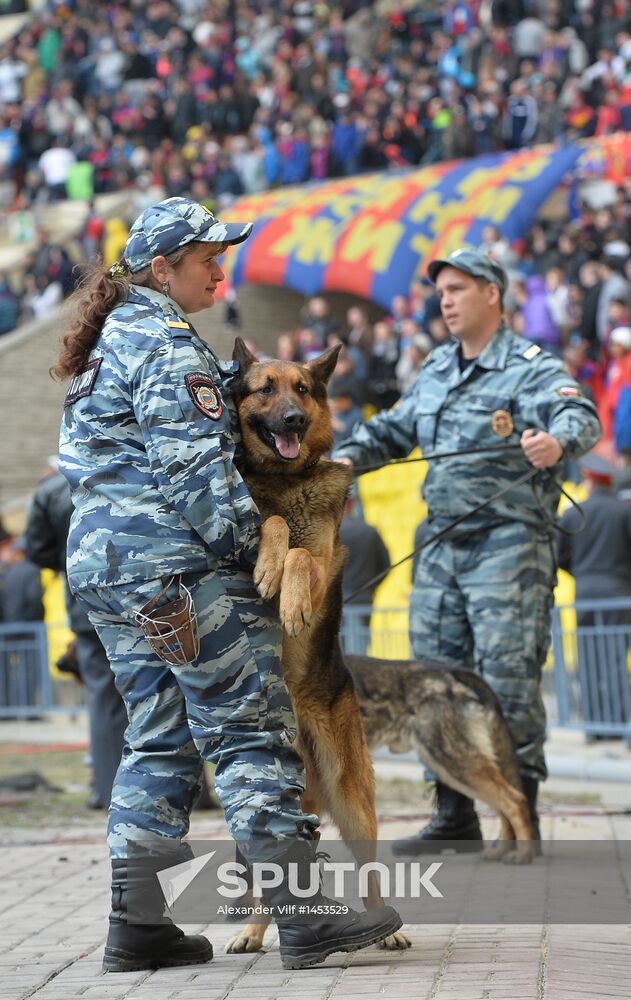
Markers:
<point>54,905</point>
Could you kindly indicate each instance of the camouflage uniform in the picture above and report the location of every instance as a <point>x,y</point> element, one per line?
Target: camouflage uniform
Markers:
<point>148,446</point>
<point>483,594</point>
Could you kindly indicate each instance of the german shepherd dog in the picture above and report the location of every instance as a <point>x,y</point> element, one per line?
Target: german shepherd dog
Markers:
<point>286,430</point>
<point>452,719</point>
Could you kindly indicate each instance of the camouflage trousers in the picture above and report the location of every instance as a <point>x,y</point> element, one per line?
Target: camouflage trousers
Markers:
<point>484,601</point>
<point>231,707</point>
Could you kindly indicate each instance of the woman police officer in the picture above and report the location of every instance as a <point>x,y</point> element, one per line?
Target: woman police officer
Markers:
<point>164,528</point>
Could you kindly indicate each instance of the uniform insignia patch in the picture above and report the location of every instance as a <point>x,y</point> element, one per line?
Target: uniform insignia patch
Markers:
<point>502,423</point>
<point>82,383</point>
<point>178,324</point>
<point>532,352</point>
<point>204,394</point>
<point>569,390</point>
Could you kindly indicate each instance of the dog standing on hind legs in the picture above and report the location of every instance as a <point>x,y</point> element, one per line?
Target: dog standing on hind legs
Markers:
<point>286,429</point>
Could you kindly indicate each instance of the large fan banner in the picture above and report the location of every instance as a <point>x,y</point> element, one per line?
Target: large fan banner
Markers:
<point>372,234</point>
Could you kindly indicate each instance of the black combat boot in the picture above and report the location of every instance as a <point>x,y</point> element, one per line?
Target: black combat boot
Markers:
<point>531,788</point>
<point>157,944</point>
<point>309,940</point>
<point>455,819</point>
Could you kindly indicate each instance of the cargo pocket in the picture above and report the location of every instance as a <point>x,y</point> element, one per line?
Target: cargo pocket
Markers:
<point>497,621</point>
<point>489,421</point>
<point>426,422</point>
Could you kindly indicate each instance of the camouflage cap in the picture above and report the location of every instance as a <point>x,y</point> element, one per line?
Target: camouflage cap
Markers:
<point>172,224</point>
<point>474,262</point>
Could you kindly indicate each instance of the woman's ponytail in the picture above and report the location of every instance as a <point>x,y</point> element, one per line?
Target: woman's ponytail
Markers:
<point>101,290</point>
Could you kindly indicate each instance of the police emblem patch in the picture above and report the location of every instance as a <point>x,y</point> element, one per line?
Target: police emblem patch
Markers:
<point>204,394</point>
<point>502,423</point>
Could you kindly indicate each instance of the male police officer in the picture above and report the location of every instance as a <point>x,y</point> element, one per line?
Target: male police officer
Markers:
<point>482,594</point>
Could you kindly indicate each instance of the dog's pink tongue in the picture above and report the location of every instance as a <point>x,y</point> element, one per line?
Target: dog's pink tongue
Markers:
<point>288,445</point>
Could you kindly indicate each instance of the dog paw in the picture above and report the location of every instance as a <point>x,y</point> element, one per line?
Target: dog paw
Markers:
<point>244,942</point>
<point>496,851</point>
<point>395,942</point>
<point>295,615</point>
<point>522,855</point>
<point>268,574</point>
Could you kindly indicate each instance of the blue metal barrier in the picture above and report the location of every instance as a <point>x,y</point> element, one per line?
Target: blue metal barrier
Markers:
<point>27,687</point>
<point>24,675</point>
<point>587,686</point>
<point>591,642</point>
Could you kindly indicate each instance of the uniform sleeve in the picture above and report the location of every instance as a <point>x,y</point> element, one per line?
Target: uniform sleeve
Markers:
<point>192,452</point>
<point>42,544</point>
<point>552,401</point>
<point>389,434</point>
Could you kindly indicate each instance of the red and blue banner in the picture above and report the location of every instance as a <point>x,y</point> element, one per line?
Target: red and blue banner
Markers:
<point>371,234</point>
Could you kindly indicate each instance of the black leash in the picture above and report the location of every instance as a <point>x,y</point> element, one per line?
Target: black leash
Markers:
<point>443,531</point>
<point>359,470</point>
<point>526,477</point>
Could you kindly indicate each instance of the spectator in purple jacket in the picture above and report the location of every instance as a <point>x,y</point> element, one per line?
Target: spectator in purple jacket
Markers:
<point>538,322</point>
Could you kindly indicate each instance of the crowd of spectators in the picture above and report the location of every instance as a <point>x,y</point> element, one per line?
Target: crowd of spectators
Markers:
<point>569,292</point>
<point>215,98</point>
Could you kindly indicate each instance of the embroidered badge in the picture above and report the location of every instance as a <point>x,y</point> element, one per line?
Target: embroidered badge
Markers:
<point>502,423</point>
<point>82,383</point>
<point>569,390</point>
<point>204,394</point>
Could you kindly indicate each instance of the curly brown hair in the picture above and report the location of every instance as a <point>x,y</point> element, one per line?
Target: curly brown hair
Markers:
<point>99,293</point>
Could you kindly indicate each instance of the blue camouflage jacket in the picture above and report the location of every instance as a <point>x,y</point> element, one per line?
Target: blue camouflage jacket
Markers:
<point>511,386</point>
<point>148,445</point>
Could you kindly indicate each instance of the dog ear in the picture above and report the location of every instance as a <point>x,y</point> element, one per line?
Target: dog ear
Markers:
<point>242,354</point>
<point>323,366</point>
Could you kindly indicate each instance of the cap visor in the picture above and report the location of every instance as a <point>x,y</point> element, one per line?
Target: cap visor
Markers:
<point>226,232</point>
<point>435,267</point>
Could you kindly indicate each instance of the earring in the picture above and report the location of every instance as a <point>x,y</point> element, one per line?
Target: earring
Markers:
<point>165,287</point>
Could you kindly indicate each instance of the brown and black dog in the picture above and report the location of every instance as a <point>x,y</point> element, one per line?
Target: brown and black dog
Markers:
<point>286,430</point>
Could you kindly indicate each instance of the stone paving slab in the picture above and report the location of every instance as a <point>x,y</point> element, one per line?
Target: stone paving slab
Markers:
<point>54,901</point>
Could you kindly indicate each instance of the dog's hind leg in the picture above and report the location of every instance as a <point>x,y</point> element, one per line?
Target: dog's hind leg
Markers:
<point>515,845</point>
<point>349,791</point>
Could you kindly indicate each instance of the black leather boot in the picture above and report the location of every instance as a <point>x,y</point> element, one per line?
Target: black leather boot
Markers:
<point>531,789</point>
<point>157,944</point>
<point>309,940</point>
<point>455,819</point>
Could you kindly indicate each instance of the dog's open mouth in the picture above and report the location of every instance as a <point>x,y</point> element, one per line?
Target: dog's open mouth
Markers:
<point>285,445</point>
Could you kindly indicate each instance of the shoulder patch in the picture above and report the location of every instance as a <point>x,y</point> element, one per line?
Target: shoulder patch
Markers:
<point>204,394</point>
<point>531,352</point>
<point>178,324</point>
<point>82,383</point>
<point>569,390</point>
